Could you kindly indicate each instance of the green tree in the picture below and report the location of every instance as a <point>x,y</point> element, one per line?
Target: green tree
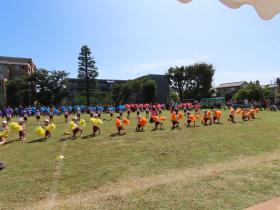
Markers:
<point>278,84</point>
<point>18,92</point>
<point>176,77</point>
<point>200,78</point>
<point>268,93</point>
<point>252,91</point>
<point>87,72</point>
<point>42,92</point>
<point>174,96</point>
<point>194,81</point>
<point>135,91</point>
<point>58,86</point>
<point>50,86</point>
<point>116,93</point>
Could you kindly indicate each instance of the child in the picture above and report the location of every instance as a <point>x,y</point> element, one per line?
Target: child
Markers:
<point>76,129</point>
<point>46,127</point>
<point>4,131</point>
<point>128,113</point>
<point>252,113</point>
<point>121,113</point>
<point>38,116</point>
<point>231,115</point>
<point>159,110</point>
<point>190,118</point>
<point>120,126</point>
<point>174,120</point>
<point>244,115</point>
<point>91,113</point>
<point>137,112</point>
<point>141,122</point>
<point>51,114</point>
<point>25,116</point>
<point>79,114</point>
<point>96,127</point>
<point>66,114</point>
<point>111,111</point>
<point>157,122</point>
<point>216,116</point>
<point>206,118</point>
<point>9,115</point>
<point>22,130</point>
<point>147,112</point>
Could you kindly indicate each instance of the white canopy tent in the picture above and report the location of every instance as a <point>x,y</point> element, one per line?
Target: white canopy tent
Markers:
<point>266,9</point>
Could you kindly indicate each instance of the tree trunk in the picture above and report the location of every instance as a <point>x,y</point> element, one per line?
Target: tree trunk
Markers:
<point>88,93</point>
<point>181,96</point>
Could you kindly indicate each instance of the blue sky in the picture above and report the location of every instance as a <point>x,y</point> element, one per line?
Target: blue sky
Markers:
<point>131,38</point>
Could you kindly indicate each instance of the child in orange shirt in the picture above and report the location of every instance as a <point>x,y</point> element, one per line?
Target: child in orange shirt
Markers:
<point>156,120</point>
<point>140,126</point>
<point>190,118</point>
<point>231,115</point>
<point>206,118</point>
<point>174,120</point>
<point>120,126</point>
<point>245,115</point>
<point>216,116</point>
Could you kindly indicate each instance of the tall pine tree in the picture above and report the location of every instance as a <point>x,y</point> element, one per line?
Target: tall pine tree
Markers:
<point>87,72</point>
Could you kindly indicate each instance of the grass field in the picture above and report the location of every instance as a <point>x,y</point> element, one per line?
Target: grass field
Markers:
<point>227,166</point>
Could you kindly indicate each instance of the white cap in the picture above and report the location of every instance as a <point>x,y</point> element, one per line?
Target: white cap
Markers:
<point>4,122</point>
<point>20,120</point>
<point>47,120</point>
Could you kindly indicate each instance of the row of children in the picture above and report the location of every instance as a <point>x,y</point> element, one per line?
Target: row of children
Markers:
<point>77,125</point>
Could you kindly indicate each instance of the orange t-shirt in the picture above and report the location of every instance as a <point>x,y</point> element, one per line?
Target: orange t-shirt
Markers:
<point>174,117</point>
<point>118,123</point>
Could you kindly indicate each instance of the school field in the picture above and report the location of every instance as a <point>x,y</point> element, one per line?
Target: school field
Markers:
<point>227,166</point>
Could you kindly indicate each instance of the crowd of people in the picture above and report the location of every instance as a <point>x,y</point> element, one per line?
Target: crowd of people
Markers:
<point>187,114</point>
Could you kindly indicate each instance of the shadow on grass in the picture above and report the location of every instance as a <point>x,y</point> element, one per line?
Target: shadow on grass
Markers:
<point>176,128</point>
<point>12,141</point>
<point>68,138</point>
<point>117,134</point>
<point>37,141</point>
<point>90,136</point>
<point>158,129</point>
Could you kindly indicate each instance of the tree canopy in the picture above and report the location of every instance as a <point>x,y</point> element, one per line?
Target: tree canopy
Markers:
<point>87,72</point>
<point>45,87</point>
<point>252,91</point>
<point>135,91</point>
<point>194,81</point>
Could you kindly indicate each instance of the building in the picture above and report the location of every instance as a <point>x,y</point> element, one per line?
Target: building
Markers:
<point>105,89</point>
<point>105,86</point>
<point>163,89</point>
<point>229,89</point>
<point>12,68</point>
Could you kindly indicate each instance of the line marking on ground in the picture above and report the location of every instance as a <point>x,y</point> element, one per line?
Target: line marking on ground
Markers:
<point>122,188</point>
<point>51,199</point>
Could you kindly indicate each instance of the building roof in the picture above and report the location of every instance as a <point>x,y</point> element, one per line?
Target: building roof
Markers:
<point>231,85</point>
<point>103,80</point>
<point>270,86</point>
<point>15,59</point>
